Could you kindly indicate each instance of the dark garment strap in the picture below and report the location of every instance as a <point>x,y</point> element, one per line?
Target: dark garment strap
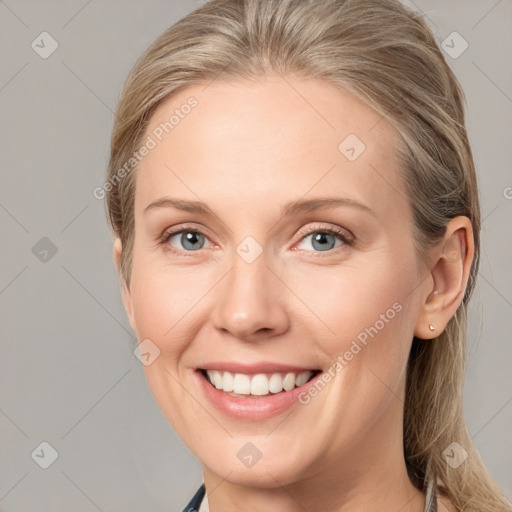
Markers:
<point>195,502</point>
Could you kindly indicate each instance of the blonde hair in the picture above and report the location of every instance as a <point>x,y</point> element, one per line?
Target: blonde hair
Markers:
<point>386,55</point>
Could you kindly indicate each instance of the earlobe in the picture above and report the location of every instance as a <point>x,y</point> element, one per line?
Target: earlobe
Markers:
<point>444,292</point>
<point>116,254</point>
<point>125,290</point>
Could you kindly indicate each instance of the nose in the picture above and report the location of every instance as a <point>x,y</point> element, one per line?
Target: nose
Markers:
<point>250,302</point>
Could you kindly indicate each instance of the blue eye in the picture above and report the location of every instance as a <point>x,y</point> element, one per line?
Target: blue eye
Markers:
<point>189,240</point>
<point>324,240</point>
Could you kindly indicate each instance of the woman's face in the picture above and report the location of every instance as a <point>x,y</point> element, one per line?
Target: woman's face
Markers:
<point>273,243</point>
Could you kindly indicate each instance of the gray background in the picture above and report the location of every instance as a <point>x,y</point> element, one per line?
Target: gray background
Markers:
<point>67,375</point>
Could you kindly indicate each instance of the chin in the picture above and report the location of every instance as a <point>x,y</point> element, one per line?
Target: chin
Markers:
<point>241,462</point>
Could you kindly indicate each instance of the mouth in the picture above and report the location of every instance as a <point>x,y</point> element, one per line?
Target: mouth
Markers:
<point>257,385</point>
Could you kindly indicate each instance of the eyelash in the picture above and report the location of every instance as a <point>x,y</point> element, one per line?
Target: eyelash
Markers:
<point>341,234</point>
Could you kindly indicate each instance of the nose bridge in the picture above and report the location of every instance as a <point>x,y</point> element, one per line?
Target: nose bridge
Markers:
<point>247,302</point>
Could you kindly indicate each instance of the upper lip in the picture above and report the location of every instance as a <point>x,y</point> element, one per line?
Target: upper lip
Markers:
<point>259,367</point>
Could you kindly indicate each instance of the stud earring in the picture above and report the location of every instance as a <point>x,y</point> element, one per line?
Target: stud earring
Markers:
<point>431,327</point>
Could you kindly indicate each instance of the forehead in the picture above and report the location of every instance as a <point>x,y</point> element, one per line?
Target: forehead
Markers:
<point>275,139</point>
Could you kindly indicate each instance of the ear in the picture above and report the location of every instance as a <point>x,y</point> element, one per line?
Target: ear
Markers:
<point>443,292</point>
<point>125,289</point>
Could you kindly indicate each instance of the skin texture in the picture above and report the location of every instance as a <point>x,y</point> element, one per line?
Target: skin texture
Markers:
<point>246,150</point>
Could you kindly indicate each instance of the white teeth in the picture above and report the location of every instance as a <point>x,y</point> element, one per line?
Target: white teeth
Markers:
<point>260,384</point>
<point>242,384</point>
<point>216,379</point>
<point>302,378</point>
<point>275,383</point>
<point>227,381</point>
<point>289,382</point>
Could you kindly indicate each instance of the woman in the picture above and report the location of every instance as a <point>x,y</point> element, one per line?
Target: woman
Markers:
<point>296,220</point>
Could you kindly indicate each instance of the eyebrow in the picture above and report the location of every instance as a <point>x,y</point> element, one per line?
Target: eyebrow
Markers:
<point>179,204</point>
<point>308,205</point>
<point>299,206</point>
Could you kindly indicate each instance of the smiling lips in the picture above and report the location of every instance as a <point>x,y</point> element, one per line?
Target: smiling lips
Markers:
<point>259,384</point>
<point>253,391</point>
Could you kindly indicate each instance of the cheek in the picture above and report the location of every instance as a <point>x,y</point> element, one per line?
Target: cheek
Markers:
<point>364,302</point>
<point>164,302</point>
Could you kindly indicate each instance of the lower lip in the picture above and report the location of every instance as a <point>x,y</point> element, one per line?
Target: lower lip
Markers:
<point>251,408</point>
